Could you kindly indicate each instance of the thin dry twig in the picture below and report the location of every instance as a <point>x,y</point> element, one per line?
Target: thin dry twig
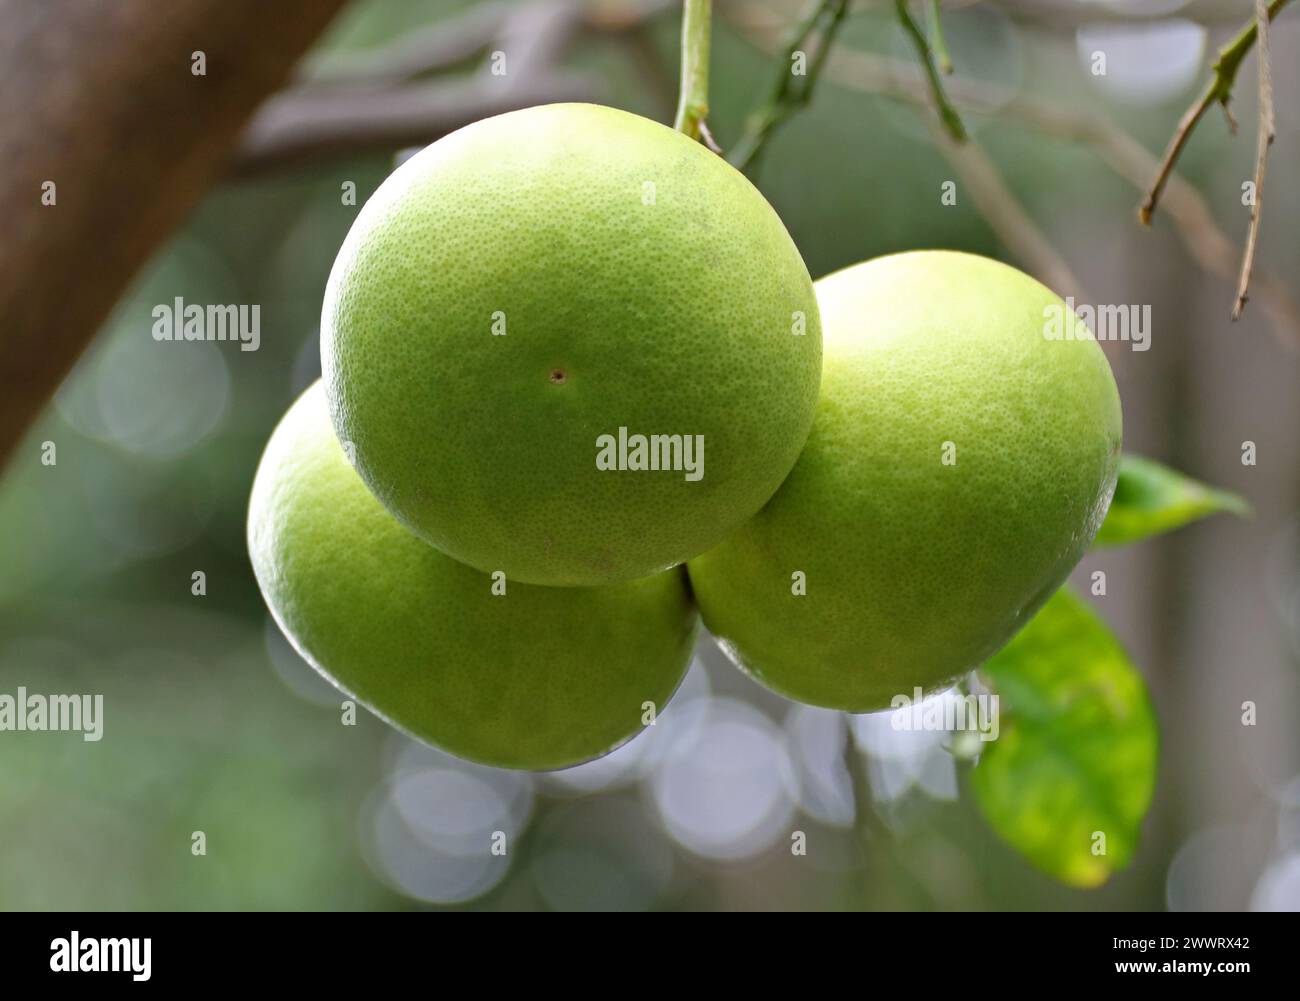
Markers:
<point>1267,131</point>
<point>1218,91</point>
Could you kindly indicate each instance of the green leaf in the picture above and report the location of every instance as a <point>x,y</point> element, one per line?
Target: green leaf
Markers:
<point>1076,749</point>
<point>1151,499</point>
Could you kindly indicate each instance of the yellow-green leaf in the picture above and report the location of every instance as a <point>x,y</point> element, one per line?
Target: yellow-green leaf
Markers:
<point>1072,771</point>
<point>1151,499</point>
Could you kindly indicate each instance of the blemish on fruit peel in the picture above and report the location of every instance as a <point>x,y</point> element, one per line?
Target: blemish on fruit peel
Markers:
<point>638,452</point>
<point>69,713</point>
<point>948,711</point>
<point>1069,322</point>
<point>177,321</point>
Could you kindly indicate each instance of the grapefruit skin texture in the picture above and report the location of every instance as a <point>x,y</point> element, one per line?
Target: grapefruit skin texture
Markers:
<point>641,282</point>
<point>538,678</point>
<point>917,571</point>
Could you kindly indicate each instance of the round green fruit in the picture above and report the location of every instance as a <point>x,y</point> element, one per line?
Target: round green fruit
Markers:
<point>536,678</point>
<point>522,299</point>
<point>959,465</point>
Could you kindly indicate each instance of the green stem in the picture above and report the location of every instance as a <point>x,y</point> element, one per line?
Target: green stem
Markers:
<point>1231,55</point>
<point>693,101</point>
<point>937,42</point>
<point>864,816</point>
<point>947,113</point>
<point>791,91</point>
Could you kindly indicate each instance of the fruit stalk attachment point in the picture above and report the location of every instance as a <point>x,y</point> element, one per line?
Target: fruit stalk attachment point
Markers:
<point>693,101</point>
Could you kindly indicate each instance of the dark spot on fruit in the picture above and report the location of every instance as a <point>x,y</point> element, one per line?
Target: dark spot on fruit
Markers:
<point>558,376</point>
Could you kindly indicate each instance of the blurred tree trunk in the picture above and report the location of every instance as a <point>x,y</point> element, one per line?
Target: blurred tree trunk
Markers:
<point>108,111</point>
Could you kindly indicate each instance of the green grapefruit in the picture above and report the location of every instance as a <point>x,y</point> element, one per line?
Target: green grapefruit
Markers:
<point>534,678</point>
<point>538,285</point>
<point>958,467</point>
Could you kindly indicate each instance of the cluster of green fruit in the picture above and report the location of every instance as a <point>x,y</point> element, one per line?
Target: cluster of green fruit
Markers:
<point>900,467</point>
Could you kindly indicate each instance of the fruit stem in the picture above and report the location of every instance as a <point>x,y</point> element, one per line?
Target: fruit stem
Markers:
<point>693,103</point>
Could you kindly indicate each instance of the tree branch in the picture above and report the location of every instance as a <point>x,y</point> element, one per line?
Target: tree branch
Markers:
<point>105,106</point>
<point>1218,91</point>
<point>303,125</point>
<point>314,120</point>
<point>1267,130</point>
